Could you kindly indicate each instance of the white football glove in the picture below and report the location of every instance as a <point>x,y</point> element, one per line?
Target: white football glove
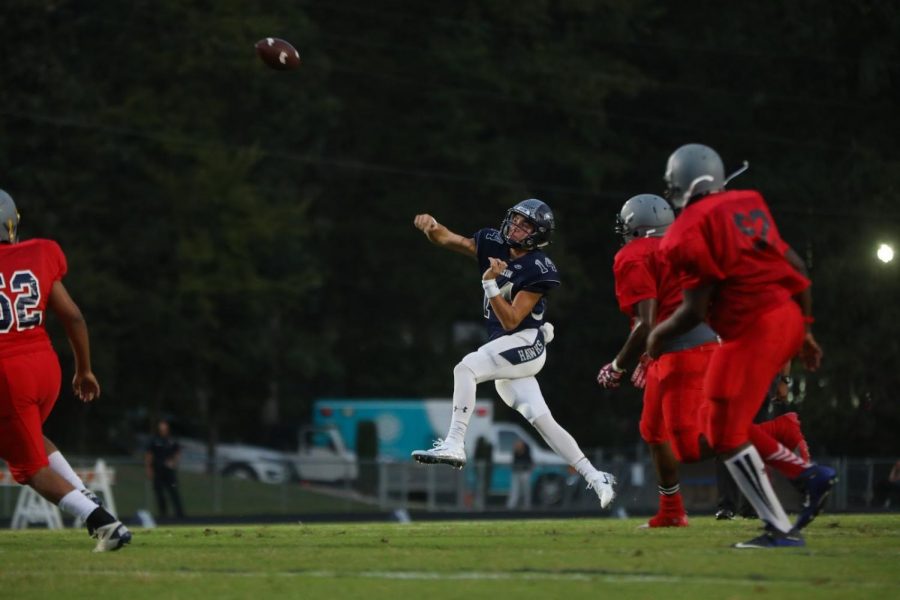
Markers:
<point>547,330</point>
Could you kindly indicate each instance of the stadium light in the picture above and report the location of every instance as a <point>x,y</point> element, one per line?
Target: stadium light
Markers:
<point>885,253</point>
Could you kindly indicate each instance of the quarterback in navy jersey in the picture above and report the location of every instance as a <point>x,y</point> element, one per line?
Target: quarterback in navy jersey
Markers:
<point>516,277</point>
<point>533,272</point>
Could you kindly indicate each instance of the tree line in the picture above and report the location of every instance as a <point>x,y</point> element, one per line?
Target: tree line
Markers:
<point>241,239</point>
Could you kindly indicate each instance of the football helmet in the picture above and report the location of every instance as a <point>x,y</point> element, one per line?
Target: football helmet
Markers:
<point>9,218</point>
<point>539,215</point>
<point>693,170</point>
<point>644,215</point>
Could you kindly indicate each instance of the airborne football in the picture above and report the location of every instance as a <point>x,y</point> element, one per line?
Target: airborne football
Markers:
<point>278,54</point>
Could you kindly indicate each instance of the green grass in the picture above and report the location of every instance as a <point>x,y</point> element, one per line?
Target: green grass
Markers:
<point>848,556</point>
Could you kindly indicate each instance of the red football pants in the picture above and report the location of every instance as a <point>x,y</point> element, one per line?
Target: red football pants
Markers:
<point>741,370</point>
<point>29,386</point>
<point>674,408</point>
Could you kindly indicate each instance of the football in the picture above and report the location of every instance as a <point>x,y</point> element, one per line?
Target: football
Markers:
<point>278,54</point>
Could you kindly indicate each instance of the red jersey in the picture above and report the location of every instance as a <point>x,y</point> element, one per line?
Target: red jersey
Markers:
<point>642,273</point>
<point>27,272</point>
<point>730,239</point>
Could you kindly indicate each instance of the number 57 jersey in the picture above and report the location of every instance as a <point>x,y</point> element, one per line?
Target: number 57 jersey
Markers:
<point>730,239</point>
<point>27,272</point>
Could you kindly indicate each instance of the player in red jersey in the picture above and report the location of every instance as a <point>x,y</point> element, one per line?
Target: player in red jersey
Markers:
<point>738,272</point>
<point>673,408</point>
<point>30,282</point>
<point>641,222</point>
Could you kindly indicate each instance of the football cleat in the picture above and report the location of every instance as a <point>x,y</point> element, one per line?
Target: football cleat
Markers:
<point>111,537</point>
<point>602,483</point>
<point>725,514</point>
<point>666,521</point>
<point>444,452</point>
<point>815,483</point>
<point>773,538</point>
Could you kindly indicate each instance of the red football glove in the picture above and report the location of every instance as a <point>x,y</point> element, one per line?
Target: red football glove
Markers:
<point>609,378</point>
<point>639,377</point>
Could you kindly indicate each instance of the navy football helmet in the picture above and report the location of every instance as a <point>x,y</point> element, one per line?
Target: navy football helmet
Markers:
<point>9,219</point>
<point>693,170</point>
<point>644,215</point>
<point>539,215</point>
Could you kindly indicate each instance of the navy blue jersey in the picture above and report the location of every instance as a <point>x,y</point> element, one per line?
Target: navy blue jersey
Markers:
<point>533,272</point>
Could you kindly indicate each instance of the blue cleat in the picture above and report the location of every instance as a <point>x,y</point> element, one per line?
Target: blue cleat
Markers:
<point>773,538</point>
<point>815,483</point>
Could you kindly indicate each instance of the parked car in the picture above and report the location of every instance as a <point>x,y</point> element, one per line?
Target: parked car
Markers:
<point>321,456</point>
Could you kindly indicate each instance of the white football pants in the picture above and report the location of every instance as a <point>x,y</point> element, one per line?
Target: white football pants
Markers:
<point>512,361</point>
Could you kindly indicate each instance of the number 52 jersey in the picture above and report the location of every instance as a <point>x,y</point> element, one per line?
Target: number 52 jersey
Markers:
<point>27,272</point>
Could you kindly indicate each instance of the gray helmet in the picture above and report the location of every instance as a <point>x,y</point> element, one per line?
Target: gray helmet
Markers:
<point>693,170</point>
<point>644,215</point>
<point>9,218</point>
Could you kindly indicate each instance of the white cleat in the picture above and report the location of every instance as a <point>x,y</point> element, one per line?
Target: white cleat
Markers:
<point>111,537</point>
<point>444,452</point>
<point>602,483</point>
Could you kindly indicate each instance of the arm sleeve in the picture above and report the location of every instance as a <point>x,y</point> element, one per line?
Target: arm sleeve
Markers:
<point>542,286</point>
<point>634,282</point>
<point>478,236</point>
<point>775,237</point>
<point>56,261</point>
<point>487,242</point>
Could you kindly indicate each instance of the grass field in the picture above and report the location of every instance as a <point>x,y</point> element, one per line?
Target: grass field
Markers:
<point>848,556</point>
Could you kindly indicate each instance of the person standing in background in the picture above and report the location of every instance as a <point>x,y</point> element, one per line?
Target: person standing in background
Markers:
<point>161,459</point>
<point>888,489</point>
<point>520,485</point>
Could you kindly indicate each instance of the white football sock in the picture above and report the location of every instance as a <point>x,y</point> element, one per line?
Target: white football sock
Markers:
<point>562,442</point>
<point>463,402</point>
<point>748,471</point>
<point>77,504</point>
<point>62,467</point>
